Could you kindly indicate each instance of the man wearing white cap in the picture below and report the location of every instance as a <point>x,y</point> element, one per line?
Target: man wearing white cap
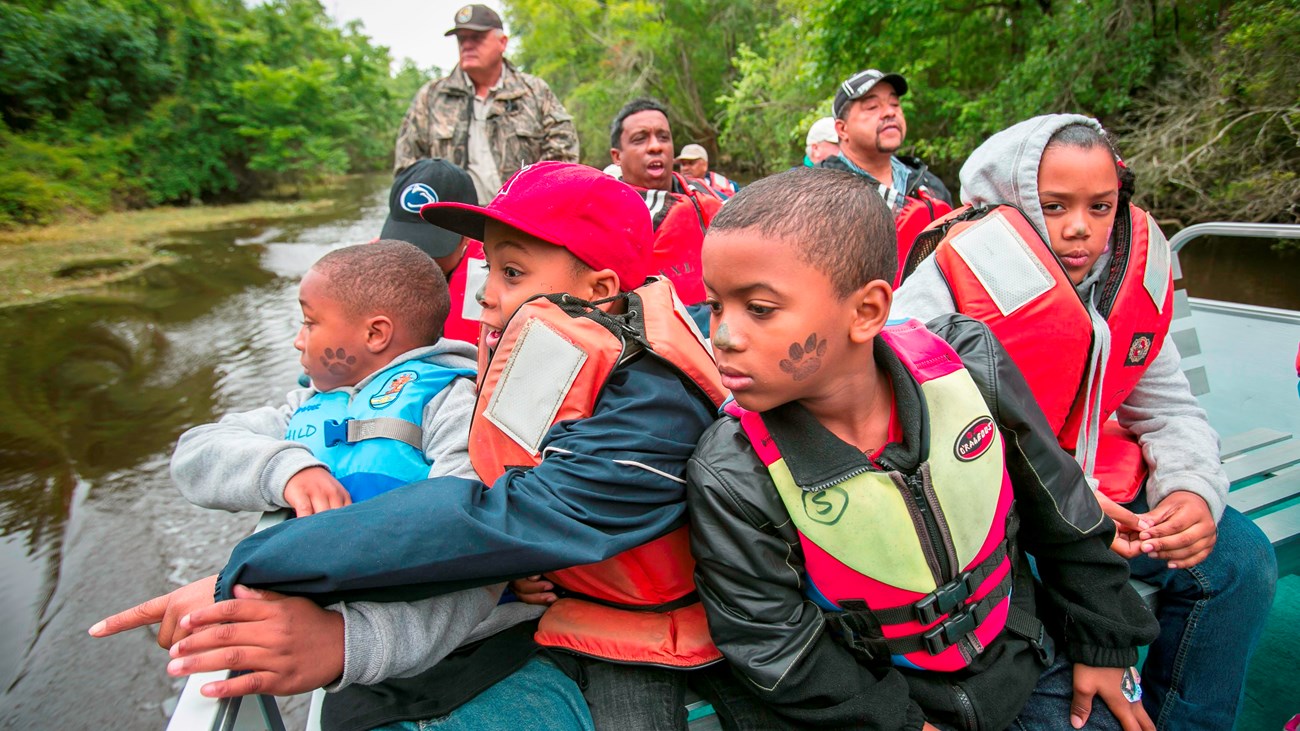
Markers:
<point>694,162</point>
<point>823,141</point>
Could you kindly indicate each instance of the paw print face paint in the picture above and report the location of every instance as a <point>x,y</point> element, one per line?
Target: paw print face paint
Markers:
<point>804,359</point>
<point>332,340</point>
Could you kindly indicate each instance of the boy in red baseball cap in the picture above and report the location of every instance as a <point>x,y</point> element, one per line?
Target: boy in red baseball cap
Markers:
<point>593,389</point>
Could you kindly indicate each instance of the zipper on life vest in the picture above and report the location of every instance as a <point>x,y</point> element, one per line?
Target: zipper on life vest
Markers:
<point>923,519</point>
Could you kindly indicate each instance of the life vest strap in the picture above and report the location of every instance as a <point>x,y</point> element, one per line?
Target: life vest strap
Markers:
<point>861,632</point>
<point>943,600</point>
<point>685,600</point>
<point>351,431</point>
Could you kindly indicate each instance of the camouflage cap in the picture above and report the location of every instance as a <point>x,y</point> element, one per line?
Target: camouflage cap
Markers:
<point>476,17</point>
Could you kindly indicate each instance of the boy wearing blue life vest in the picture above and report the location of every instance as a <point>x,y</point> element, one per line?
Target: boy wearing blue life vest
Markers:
<point>387,402</point>
<point>861,515</point>
<point>1075,282</point>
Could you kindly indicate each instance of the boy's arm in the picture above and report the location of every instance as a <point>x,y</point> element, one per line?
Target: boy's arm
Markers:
<point>243,461</point>
<point>607,483</point>
<point>749,574</point>
<point>1061,523</point>
<point>399,639</point>
<point>1178,444</point>
<point>447,417</point>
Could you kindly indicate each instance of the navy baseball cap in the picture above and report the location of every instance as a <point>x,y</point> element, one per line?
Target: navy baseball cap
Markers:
<point>427,181</point>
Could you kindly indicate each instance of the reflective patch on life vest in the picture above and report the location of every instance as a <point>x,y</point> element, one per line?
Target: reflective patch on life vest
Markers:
<point>1156,277</point>
<point>1003,263</point>
<point>542,368</point>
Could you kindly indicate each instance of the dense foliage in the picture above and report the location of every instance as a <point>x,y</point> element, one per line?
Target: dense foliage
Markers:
<point>137,102</point>
<point>1204,94</point>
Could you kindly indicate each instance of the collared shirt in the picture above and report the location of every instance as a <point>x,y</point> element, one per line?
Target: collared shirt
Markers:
<point>482,166</point>
<point>892,195</point>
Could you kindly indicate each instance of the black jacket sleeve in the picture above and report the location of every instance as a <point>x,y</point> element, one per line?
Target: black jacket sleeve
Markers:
<point>749,573</point>
<point>1102,618</point>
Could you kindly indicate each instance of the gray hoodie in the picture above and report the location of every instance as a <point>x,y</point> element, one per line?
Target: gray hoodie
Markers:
<point>1180,448</point>
<point>243,462</point>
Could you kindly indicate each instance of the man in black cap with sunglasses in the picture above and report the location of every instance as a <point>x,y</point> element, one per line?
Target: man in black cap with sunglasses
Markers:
<point>871,126</point>
<point>486,117</point>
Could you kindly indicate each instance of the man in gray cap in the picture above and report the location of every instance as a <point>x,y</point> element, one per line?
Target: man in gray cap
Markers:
<point>485,116</point>
<point>871,127</point>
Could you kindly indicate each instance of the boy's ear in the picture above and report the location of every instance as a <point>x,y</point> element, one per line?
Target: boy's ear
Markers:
<point>871,305</point>
<point>379,333</point>
<point>603,282</point>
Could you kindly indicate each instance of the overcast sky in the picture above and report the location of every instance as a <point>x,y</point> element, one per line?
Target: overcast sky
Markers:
<point>409,29</point>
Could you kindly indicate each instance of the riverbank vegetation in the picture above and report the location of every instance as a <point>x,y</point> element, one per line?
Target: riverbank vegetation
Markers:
<point>112,104</point>
<point>1204,95</point>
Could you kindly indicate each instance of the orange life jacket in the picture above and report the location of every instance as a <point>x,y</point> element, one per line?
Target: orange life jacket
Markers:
<point>680,219</point>
<point>639,606</point>
<point>1000,271</point>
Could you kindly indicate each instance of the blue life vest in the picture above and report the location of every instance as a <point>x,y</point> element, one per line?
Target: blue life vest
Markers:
<point>370,462</point>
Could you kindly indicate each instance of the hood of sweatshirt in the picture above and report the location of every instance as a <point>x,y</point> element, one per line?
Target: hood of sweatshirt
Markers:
<point>1005,168</point>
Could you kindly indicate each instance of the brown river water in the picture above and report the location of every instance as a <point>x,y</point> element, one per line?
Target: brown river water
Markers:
<point>98,389</point>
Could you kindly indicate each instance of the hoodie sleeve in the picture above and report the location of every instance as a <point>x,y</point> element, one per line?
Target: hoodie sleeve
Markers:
<point>446,425</point>
<point>1103,619</point>
<point>607,483</point>
<point>925,294</point>
<point>243,461</point>
<point>1177,440</point>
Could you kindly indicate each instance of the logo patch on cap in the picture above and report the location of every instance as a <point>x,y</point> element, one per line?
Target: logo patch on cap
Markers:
<point>1138,349</point>
<point>417,195</point>
<point>975,439</point>
<point>464,14</point>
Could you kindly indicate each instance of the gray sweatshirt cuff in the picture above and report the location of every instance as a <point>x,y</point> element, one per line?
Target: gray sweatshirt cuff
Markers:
<point>1191,482</point>
<point>363,650</point>
<point>279,468</point>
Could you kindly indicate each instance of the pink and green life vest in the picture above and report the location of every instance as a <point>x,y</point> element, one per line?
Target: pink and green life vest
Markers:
<point>913,566</point>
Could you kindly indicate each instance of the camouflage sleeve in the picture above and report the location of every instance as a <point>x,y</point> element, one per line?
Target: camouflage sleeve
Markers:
<point>412,143</point>
<point>561,141</point>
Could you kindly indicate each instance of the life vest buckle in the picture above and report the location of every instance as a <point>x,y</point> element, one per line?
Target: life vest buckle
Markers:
<point>945,599</point>
<point>336,432</point>
<point>950,632</point>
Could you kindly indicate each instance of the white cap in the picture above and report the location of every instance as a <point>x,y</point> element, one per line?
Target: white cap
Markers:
<point>693,152</point>
<point>823,130</point>
<point>614,171</point>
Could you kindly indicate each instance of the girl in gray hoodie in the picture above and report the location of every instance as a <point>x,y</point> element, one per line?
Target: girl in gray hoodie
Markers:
<point>1214,569</point>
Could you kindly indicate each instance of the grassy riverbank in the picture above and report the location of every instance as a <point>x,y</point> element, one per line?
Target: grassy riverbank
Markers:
<point>47,262</point>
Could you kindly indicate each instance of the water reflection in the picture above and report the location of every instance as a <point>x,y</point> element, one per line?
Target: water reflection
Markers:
<point>96,391</point>
<point>1241,270</point>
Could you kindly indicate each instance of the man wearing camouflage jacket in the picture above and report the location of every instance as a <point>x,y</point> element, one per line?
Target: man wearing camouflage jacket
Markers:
<point>485,116</point>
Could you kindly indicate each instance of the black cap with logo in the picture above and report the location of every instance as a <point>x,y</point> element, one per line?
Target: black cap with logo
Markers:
<point>476,17</point>
<point>857,85</point>
<point>427,181</point>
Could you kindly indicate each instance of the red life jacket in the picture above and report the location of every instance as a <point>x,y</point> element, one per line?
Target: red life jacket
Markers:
<point>463,286</point>
<point>555,355</point>
<point>680,219</point>
<point>917,565</point>
<point>919,211</point>
<point>1000,271</point>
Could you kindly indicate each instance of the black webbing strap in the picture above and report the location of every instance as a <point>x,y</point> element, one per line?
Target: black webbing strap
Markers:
<point>941,601</point>
<point>849,625</point>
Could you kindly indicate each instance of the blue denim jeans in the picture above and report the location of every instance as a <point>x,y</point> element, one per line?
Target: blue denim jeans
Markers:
<point>536,696</point>
<point>646,698</point>
<point>1211,617</point>
<point>1048,709</point>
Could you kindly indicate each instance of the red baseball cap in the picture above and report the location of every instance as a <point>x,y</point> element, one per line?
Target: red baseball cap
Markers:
<point>599,219</point>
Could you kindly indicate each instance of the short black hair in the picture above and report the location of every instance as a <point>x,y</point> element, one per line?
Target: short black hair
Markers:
<point>392,278</point>
<point>644,104</point>
<point>836,220</point>
<point>1087,137</point>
